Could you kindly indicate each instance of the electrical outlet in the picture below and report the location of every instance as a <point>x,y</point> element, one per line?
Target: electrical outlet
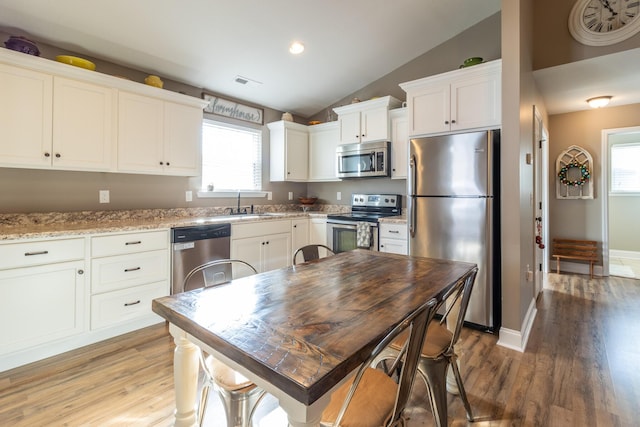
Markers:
<point>104,196</point>
<point>290,195</point>
<point>339,195</point>
<point>188,196</point>
<point>269,195</point>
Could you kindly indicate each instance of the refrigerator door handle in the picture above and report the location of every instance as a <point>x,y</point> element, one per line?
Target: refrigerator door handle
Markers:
<point>410,199</point>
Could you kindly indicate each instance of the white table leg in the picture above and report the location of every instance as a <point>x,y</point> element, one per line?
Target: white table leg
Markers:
<point>185,377</point>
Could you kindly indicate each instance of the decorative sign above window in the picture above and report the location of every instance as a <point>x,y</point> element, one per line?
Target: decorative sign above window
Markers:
<point>574,169</point>
<point>234,110</point>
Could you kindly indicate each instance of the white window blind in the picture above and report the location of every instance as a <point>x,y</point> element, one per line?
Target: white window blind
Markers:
<point>625,172</point>
<point>231,157</point>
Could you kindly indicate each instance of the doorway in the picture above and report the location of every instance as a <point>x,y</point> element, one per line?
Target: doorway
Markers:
<point>541,197</point>
<point>621,202</point>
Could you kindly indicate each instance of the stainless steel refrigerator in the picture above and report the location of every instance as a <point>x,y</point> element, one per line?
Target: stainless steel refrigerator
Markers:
<point>453,211</point>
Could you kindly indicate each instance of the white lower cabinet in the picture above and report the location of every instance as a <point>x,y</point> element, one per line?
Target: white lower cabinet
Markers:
<point>41,304</point>
<point>62,293</point>
<point>393,238</point>
<point>127,271</point>
<point>266,245</point>
<point>299,233</point>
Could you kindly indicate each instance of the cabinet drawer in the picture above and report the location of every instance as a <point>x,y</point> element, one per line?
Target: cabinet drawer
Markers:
<point>119,244</point>
<point>124,271</point>
<point>393,231</point>
<point>26,254</point>
<point>260,228</point>
<point>125,305</point>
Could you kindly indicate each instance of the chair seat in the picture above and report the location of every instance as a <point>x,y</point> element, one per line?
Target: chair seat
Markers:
<point>370,406</point>
<point>438,341</point>
<point>226,377</point>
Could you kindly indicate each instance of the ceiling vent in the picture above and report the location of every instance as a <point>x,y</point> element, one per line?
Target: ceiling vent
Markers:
<point>244,80</point>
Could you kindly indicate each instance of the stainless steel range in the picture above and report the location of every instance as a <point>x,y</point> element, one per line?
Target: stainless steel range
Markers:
<point>359,228</point>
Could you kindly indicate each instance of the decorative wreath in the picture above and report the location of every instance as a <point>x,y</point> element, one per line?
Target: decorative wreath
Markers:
<point>584,174</point>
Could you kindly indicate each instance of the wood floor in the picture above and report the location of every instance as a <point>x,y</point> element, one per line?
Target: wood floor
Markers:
<point>581,368</point>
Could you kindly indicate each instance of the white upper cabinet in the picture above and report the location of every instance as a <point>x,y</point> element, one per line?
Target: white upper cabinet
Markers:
<point>156,136</point>
<point>399,142</point>
<point>56,116</point>
<point>323,140</point>
<point>82,125</point>
<point>289,151</point>
<point>26,107</point>
<point>460,100</point>
<point>365,121</point>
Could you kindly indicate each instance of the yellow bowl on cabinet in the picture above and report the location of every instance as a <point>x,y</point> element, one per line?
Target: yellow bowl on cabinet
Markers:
<point>76,62</point>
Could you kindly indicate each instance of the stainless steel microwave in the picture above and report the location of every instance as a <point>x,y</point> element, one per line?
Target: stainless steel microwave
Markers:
<point>363,160</point>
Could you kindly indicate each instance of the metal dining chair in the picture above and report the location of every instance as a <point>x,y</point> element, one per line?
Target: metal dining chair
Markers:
<point>239,395</point>
<point>372,397</point>
<point>438,352</point>
<point>311,252</point>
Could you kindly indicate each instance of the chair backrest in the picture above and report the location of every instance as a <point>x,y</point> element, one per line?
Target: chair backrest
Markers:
<point>457,302</point>
<point>214,273</point>
<point>311,252</point>
<point>409,356</point>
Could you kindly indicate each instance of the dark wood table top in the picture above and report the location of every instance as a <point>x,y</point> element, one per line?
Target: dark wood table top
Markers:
<point>304,328</point>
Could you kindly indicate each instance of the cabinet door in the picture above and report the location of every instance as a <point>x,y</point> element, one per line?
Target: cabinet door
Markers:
<point>299,233</point>
<point>41,304</point>
<point>26,104</point>
<point>476,102</point>
<point>349,127</point>
<point>374,125</point>
<point>182,139</point>
<point>140,133</point>
<point>82,125</point>
<point>248,250</point>
<point>322,152</point>
<point>318,231</point>
<point>277,251</point>
<point>429,109</point>
<point>399,143</point>
<point>394,246</point>
<point>296,155</point>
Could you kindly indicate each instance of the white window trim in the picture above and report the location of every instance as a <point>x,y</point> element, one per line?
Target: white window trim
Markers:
<point>233,194</point>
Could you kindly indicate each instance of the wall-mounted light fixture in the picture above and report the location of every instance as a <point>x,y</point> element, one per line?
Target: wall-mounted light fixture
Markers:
<point>296,48</point>
<point>599,101</point>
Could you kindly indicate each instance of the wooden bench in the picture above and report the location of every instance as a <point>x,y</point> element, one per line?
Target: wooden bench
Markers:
<point>581,250</point>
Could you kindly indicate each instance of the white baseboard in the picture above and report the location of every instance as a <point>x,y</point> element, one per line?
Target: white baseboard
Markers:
<point>616,253</point>
<point>517,340</point>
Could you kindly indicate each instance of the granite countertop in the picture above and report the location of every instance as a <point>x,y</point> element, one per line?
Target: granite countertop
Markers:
<point>400,219</point>
<point>68,224</point>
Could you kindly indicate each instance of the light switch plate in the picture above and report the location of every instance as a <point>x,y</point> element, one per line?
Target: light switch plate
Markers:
<point>188,196</point>
<point>339,195</point>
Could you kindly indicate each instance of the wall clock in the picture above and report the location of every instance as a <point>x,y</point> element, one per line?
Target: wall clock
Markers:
<point>604,22</point>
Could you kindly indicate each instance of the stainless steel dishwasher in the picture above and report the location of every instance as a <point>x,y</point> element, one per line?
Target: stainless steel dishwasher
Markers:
<point>193,246</point>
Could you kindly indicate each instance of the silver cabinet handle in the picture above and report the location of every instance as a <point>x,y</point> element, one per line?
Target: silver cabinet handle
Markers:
<point>36,253</point>
<point>127,270</point>
<point>127,304</point>
<point>137,242</point>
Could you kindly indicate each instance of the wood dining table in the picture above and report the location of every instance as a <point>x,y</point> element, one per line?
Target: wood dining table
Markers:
<point>299,332</point>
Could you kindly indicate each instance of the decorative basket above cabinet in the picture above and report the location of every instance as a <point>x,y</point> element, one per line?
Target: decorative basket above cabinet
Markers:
<point>459,100</point>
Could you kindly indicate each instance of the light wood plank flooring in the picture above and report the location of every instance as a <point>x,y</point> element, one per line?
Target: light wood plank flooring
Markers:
<point>581,368</point>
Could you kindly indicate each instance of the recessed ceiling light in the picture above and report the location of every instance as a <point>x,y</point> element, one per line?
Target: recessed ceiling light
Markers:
<point>296,48</point>
<point>599,101</point>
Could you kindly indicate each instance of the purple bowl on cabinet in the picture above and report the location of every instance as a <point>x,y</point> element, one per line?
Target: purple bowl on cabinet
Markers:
<point>22,44</point>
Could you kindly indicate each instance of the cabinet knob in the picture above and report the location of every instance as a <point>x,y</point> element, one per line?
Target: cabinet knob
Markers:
<point>453,121</point>
<point>446,122</point>
<point>161,163</point>
<point>47,155</point>
<point>362,135</point>
<point>288,173</point>
<point>80,272</point>
<point>168,164</point>
<point>58,155</point>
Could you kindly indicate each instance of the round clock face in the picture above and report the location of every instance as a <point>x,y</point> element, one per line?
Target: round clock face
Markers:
<point>604,22</point>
